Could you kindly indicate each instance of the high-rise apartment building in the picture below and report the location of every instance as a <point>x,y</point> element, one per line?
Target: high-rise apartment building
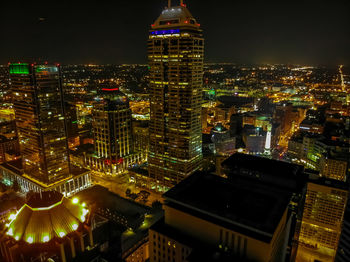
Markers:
<point>40,121</point>
<point>175,55</point>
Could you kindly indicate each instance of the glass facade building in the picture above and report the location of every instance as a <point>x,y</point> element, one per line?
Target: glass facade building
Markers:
<point>38,103</point>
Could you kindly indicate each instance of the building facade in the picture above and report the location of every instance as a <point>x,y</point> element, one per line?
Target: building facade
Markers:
<point>322,221</point>
<point>175,55</point>
<point>234,233</point>
<point>112,129</point>
<point>42,132</point>
<point>333,168</point>
<point>38,104</point>
<point>343,252</point>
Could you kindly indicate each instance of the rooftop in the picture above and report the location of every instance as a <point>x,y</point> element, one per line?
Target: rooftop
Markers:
<point>46,216</point>
<point>262,164</point>
<point>248,208</point>
<point>175,16</point>
<point>16,168</point>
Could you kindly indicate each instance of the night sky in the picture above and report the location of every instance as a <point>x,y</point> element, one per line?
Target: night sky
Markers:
<point>316,32</point>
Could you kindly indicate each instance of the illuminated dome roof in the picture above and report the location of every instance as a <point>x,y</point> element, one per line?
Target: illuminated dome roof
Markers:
<point>46,216</point>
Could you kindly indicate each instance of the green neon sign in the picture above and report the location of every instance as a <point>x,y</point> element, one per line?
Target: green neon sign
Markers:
<point>19,68</point>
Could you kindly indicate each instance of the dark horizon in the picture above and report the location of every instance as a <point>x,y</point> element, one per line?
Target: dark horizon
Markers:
<point>257,32</point>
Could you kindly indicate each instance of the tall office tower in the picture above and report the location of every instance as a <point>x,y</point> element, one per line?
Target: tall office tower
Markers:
<point>38,104</point>
<point>42,133</point>
<point>112,129</point>
<point>322,220</point>
<point>175,55</point>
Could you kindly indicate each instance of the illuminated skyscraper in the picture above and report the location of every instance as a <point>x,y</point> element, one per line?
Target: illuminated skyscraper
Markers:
<point>40,120</point>
<point>112,129</point>
<point>175,55</point>
<point>322,221</point>
<point>38,104</point>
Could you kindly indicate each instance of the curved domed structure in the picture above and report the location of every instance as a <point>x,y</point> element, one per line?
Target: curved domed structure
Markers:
<point>45,217</point>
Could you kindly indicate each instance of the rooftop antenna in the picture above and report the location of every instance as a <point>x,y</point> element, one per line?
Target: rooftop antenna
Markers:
<point>169,3</point>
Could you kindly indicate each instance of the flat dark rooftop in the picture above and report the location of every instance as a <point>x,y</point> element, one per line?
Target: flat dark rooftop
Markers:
<point>14,166</point>
<point>262,164</point>
<point>246,206</point>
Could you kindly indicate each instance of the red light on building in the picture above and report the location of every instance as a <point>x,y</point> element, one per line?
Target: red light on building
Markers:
<point>110,89</point>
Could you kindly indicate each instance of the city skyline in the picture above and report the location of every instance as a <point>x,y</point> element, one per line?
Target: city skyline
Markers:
<point>253,32</point>
<point>175,159</point>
